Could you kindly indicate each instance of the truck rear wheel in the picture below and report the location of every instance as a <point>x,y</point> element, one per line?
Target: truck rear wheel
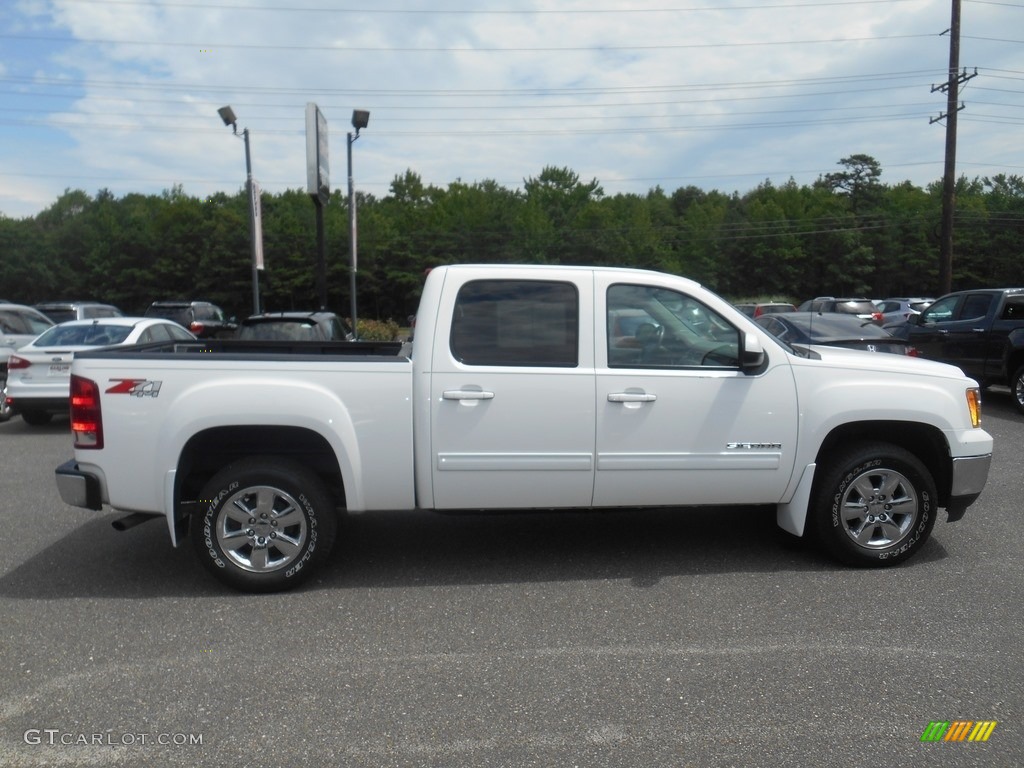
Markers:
<point>874,505</point>
<point>266,524</point>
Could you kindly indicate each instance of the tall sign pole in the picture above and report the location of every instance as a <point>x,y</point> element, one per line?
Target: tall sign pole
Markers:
<point>255,228</point>
<point>318,186</point>
<point>360,119</point>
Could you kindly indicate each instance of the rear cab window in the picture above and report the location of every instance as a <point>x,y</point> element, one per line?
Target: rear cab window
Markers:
<point>528,323</point>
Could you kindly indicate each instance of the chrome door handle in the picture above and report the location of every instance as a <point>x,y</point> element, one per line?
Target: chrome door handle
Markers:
<point>466,394</point>
<point>631,397</point>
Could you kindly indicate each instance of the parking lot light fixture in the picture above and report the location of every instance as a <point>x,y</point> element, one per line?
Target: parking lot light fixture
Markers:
<point>228,116</point>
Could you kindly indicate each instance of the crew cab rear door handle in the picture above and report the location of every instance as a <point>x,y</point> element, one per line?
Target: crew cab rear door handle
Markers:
<point>631,397</point>
<point>466,394</point>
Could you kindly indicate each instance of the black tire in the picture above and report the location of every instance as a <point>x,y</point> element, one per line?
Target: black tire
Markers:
<point>266,524</point>
<point>1017,389</point>
<point>37,418</point>
<point>873,505</point>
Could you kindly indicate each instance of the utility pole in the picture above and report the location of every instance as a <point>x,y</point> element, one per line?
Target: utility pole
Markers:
<point>952,89</point>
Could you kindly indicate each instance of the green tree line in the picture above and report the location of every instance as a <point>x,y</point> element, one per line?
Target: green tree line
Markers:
<point>847,233</point>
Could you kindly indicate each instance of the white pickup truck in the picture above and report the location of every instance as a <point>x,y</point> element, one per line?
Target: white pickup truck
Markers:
<point>529,387</point>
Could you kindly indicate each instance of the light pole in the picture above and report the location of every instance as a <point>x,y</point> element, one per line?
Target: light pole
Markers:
<point>360,119</point>
<point>228,116</point>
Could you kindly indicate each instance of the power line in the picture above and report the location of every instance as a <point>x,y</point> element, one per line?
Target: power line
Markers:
<point>491,12</point>
<point>449,49</point>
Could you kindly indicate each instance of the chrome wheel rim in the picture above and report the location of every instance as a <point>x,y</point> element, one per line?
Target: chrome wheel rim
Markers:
<point>261,529</point>
<point>878,509</point>
<point>1018,390</point>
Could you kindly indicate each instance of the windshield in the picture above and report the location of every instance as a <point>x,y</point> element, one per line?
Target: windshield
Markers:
<point>830,326</point>
<point>280,330</point>
<point>83,335</point>
<point>60,315</point>
<point>181,315</point>
<point>23,322</point>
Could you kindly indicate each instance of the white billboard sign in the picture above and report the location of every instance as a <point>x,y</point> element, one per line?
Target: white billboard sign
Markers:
<point>318,171</point>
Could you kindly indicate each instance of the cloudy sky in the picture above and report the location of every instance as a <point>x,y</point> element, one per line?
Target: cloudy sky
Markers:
<point>719,94</point>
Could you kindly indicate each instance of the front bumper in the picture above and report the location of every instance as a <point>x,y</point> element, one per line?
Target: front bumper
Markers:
<point>78,488</point>
<point>970,474</point>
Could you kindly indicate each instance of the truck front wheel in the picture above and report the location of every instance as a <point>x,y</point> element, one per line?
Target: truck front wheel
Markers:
<point>874,505</point>
<point>265,525</point>
<point>1017,389</point>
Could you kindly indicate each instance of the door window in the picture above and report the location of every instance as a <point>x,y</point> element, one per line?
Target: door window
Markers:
<point>941,311</point>
<point>652,327</point>
<point>975,306</point>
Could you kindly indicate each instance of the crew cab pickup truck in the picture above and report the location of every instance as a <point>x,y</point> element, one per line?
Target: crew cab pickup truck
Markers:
<point>980,331</point>
<point>528,387</point>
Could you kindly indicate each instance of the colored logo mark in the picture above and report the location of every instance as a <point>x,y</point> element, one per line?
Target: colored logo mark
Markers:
<point>959,730</point>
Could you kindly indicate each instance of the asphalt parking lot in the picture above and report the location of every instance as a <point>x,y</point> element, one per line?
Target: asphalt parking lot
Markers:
<point>650,638</point>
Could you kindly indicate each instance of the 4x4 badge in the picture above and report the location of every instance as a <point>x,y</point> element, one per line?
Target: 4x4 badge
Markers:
<point>135,387</point>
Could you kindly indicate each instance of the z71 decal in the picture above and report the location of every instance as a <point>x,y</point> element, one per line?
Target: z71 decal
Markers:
<point>135,387</point>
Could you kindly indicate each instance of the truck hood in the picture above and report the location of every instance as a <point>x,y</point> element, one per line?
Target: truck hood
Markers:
<point>860,360</point>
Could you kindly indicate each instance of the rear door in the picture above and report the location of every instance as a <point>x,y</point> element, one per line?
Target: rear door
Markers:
<point>512,392</point>
<point>678,422</point>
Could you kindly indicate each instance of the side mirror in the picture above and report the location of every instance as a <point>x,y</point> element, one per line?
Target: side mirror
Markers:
<point>752,356</point>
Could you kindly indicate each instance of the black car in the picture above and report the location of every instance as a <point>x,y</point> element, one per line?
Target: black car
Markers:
<point>295,326</point>
<point>804,329</point>
<point>205,320</point>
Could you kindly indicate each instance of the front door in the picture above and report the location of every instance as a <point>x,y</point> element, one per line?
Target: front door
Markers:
<point>678,422</point>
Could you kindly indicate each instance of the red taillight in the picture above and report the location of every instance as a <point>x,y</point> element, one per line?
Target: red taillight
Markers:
<point>86,418</point>
<point>877,317</point>
<point>196,327</point>
<point>912,351</point>
<point>14,363</point>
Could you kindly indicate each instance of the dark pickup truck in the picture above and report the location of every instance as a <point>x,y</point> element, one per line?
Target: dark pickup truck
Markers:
<point>980,331</point>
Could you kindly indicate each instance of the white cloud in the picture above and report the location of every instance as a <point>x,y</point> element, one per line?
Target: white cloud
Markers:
<point>719,98</point>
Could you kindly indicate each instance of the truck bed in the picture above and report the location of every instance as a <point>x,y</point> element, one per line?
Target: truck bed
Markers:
<point>292,350</point>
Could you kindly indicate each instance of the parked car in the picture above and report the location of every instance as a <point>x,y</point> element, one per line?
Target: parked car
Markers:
<point>295,326</point>
<point>40,372</point>
<point>18,326</point>
<point>805,329</point>
<point>62,311</point>
<point>205,320</point>
<point>900,309</point>
<point>980,331</point>
<point>862,308</point>
<point>756,309</point>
